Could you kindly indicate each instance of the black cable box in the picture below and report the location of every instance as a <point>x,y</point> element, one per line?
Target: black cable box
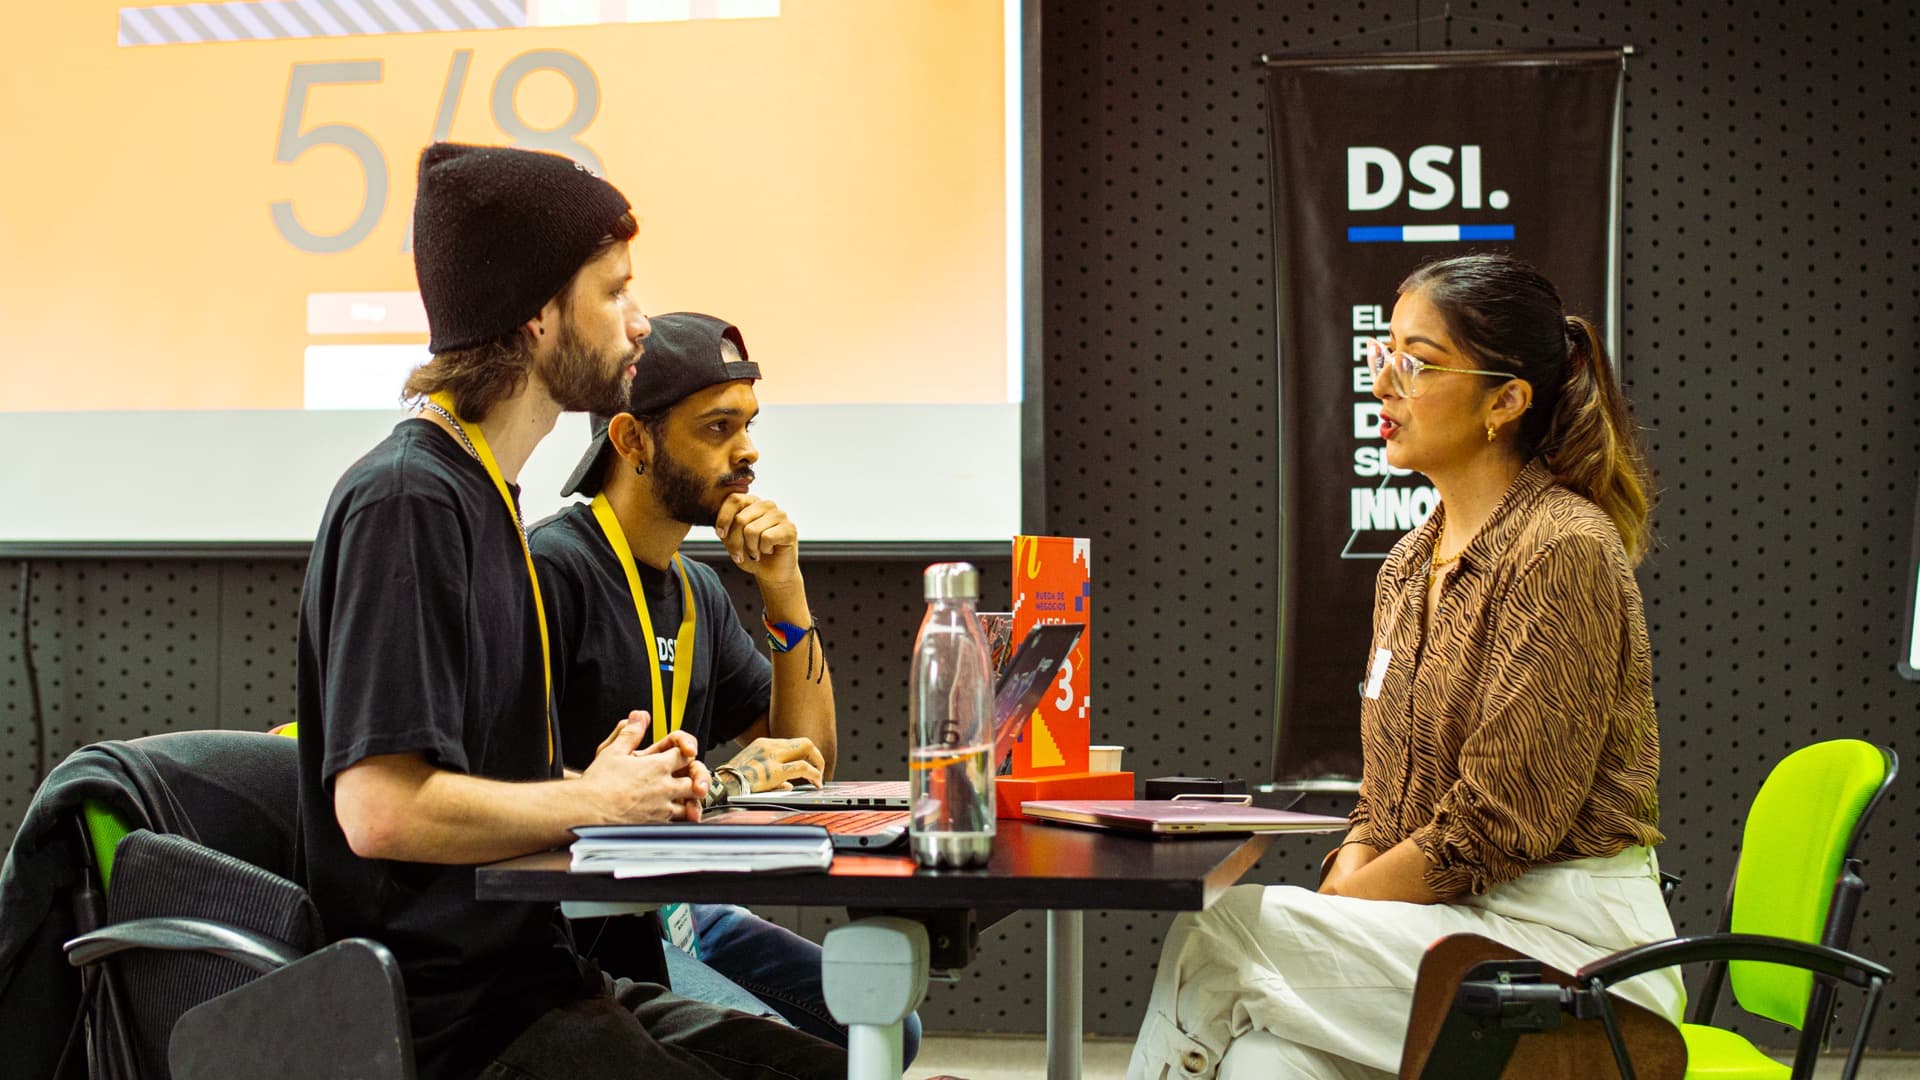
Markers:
<point>1166,787</point>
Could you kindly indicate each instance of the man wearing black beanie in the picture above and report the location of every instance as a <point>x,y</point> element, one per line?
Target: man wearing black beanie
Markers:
<point>427,744</point>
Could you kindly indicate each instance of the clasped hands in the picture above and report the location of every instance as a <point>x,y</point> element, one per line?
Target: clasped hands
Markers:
<point>666,781</point>
<point>1343,861</point>
<point>639,785</point>
<point>1359,871</point>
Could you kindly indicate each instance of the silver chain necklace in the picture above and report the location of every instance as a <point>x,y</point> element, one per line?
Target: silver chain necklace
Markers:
<point>453,422</point>
<point>460,430</point>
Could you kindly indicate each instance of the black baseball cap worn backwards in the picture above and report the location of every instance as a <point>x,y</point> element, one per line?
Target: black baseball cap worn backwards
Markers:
<point>497,232</point>
<point>681,357</point>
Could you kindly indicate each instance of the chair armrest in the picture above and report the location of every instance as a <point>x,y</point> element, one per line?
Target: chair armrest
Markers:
<point>254,951</point>
<point>1669,884</point>
<point>1856,970</point>
<point>266,1027</point>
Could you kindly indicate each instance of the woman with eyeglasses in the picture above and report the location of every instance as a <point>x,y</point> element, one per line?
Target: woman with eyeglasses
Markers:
<point>1511,755</point>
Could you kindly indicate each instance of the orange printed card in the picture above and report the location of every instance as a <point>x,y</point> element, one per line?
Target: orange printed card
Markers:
<point>1053,583</point>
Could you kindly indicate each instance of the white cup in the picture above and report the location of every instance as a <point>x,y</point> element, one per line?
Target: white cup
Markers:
<point>1104,758</point>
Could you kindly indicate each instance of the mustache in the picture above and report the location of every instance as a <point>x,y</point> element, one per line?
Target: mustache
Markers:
<point>744,476</point>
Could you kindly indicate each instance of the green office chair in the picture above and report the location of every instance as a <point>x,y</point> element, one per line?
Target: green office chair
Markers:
<point>1789,915</point>
<point>1798,879</point>
<point>197,964</point>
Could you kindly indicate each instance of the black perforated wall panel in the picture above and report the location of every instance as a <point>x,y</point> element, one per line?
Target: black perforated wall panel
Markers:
<point>1772,353</point>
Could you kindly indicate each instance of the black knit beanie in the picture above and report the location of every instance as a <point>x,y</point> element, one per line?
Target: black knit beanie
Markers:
<point>497,232</point>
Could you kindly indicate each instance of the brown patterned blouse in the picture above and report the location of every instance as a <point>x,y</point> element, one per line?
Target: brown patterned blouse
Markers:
<point>1522,731</point>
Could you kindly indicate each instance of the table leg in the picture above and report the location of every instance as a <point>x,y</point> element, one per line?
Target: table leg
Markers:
<point>875,1052</point>
<point>1065,943</point>
<point>874,972</point>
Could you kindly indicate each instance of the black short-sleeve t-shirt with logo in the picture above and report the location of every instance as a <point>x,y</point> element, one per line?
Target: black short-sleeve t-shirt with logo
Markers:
<point>600,670</point>
<point>418,635</point>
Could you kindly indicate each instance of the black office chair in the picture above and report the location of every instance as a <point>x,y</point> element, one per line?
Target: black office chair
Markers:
<point>82,884</point>
<point>207,967</point>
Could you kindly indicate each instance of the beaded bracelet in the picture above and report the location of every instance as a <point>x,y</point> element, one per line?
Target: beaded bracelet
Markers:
<point>783,636</point>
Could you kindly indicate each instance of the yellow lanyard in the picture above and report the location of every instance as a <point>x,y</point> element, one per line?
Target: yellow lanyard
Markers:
<point>683,643</point>
<point>479,441</point>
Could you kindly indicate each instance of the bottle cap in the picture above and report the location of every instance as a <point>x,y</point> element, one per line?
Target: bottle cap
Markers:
<point>952,581</point>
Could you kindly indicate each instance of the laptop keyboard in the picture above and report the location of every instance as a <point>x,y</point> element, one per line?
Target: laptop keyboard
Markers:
<point>847,822</point>
<point>872,789</point>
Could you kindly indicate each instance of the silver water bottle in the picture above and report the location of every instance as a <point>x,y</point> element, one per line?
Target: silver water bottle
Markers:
<point>952,725</point>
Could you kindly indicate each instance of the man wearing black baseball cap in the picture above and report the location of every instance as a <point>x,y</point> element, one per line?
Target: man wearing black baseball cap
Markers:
<point>636,625</point>
<point>424,700</point>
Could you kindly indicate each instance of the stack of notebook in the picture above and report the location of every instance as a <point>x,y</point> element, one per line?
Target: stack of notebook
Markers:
<point>657,850</point>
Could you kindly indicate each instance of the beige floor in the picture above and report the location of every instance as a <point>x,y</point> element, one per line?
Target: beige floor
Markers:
<point>1020,1057</point>
<point>1012,1057</point>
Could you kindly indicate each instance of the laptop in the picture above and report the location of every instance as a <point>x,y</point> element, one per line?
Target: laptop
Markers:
<point>850,830</point>
<point>1018,690</point>
<point>1160,817</point>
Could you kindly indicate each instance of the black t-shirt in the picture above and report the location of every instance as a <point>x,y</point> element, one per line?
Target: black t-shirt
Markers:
<point>600,670</point>
<point>418,634</point>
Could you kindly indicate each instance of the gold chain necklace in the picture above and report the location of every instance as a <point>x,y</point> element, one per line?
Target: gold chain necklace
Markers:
<point>1436,564</point>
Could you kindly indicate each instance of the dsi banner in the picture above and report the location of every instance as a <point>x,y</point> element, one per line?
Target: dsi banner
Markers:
<point>1381,163</point>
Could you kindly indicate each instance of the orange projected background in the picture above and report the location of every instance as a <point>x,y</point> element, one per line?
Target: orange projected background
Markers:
<point>829,174</point>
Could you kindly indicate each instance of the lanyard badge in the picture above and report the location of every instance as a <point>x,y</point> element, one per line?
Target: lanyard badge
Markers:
<point>487,461</point>
<point>663,720</point>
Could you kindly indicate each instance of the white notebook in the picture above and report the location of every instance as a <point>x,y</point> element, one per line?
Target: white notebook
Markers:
<point>628,851</point>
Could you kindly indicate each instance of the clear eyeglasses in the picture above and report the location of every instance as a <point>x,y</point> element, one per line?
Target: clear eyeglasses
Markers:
<point>1407,367</point>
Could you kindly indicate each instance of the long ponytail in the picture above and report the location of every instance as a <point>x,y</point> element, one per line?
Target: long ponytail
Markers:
<point>1509,316</point>
<point>1591,444</point>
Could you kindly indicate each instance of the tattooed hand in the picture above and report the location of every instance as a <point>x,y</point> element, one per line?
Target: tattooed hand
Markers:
<point>774,764</point>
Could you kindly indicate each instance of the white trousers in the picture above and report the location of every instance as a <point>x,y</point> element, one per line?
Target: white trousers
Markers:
<point>1327,981</point>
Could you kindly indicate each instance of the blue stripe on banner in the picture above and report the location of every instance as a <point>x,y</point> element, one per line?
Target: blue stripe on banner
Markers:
<point>1425,234</point>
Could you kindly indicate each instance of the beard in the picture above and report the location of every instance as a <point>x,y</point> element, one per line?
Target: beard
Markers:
<point>685,495</point>
<point>581,380</point>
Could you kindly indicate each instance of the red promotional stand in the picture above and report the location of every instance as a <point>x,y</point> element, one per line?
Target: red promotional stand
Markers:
<point>1053,583</point>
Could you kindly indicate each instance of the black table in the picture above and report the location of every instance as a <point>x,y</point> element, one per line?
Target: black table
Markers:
<point>1062,870</point>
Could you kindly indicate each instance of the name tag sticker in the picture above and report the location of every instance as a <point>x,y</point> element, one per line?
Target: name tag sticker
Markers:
<point>678,919</point>
<point>1382,659</point>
